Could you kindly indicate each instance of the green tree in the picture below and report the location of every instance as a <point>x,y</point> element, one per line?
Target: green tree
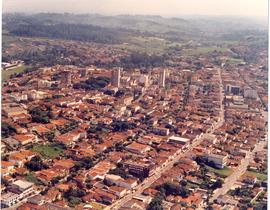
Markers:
<point>156,203</point>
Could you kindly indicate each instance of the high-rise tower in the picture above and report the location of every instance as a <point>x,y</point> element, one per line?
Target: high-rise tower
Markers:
<point>162,78</point>
<point>116,76</point>
<point>66,78</point>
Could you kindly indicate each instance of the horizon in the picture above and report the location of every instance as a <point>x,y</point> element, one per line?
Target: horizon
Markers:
<point>172,8</point>
<point>150,15</point>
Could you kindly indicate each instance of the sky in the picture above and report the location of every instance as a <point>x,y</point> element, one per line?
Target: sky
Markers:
<point>142,7</point>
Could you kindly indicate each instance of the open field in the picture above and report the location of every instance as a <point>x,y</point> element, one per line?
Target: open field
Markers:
<point>203,50</point>
<point>147,44</point>
<point>262,177</point>
<point>7,73</point>
<point>48,151</point>
<point>222,172</point>
<point>31,178</point>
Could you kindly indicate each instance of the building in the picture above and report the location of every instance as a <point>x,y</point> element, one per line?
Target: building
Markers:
<point>17,191</point>
<point>144,80</point>
<point>83,72</point>
<point>9,199</point>
<point>137,168</point>
<point>66,78</point>
<point>218,160</point>
<point>250,93</point>
<point>116,76</point>
<point>137,148</point>
<point>161,131</point>
<point>119,181</point>
<point>44,84</point>
<point>11,111</point>
<point>162,78</point>
<point>178,140</point>
<point>233,89</point>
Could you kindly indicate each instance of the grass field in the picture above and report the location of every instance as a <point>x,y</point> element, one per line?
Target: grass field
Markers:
<point>147,44</point>
<point>222,172</point>
<point>203,50</point>
<point>31,178</point>
<point>7,73</point>
<point>262,177</point>
<point>97,206</point>
<point>48,151</point>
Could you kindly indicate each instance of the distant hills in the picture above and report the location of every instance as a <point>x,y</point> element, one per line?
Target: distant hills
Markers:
<point>115,29</point>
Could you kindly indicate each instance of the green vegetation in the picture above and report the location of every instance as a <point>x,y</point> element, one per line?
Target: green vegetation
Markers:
<point>122,125</point>
<point>169,188</point>
<point>31,178</point>
<point>36,164</point>
<point>235,60</point>
<point>221,172</point>
<point>49,151</point>
<point>241,192</point>
<point>149,45</point>
<point>156,203</point>
<point>120,171</point>
<point>97,206</point>
<point>138,60</point>
<point>7,130</point>
<point>93,83</point>
<point>6,74</point>
<point>203,50</point>
<point>260,176</point>
<point>74,196</point>
<point>40,116</point>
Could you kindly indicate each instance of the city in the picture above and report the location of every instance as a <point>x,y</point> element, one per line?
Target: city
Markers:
<point>104,127</point>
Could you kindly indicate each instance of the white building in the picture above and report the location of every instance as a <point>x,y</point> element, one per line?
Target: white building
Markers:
<point>219,160</point>
<point>9,199</point>
<point>116,76</point>
<point>162,78</point>
<point>179,140</point>
<point>250,93</point>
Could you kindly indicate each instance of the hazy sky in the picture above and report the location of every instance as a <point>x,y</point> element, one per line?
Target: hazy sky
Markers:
<point>156,7</point>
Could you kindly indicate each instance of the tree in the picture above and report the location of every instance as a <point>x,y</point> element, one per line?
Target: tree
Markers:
<point>156,203</point>
<point>35,164</point>
<point>217,184</point>
<point>39,115</point>
<point>7,130</point>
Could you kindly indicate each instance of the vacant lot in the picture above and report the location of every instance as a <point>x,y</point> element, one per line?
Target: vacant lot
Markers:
<point>48,151</point>
<point>259,176</point>
<point>222,172</point>
<point>7,73</point>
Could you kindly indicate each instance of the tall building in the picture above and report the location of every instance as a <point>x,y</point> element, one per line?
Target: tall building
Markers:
<point>162,78</point>
<point>116,76</point>
<point>66,78</point>
<point>235,90</point>
<point>83,72</point>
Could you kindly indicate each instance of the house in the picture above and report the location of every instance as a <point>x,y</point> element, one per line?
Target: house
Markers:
<point>137,148</point>
<point>19,158</point>
<point>6,167</point>
<point>20,189</point>
<point>10,111</point>
<point>178,140</point>
<point>161,131</point>
<point>119,181</point>
<point>118,191</point>
<point>24,139</point>
<point>9,199</point>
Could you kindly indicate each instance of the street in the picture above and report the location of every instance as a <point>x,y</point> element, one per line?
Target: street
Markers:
<point>158,172</point>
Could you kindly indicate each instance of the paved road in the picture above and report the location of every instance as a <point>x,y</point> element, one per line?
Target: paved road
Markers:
<point>241,169</point>
<point>158,172</point>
